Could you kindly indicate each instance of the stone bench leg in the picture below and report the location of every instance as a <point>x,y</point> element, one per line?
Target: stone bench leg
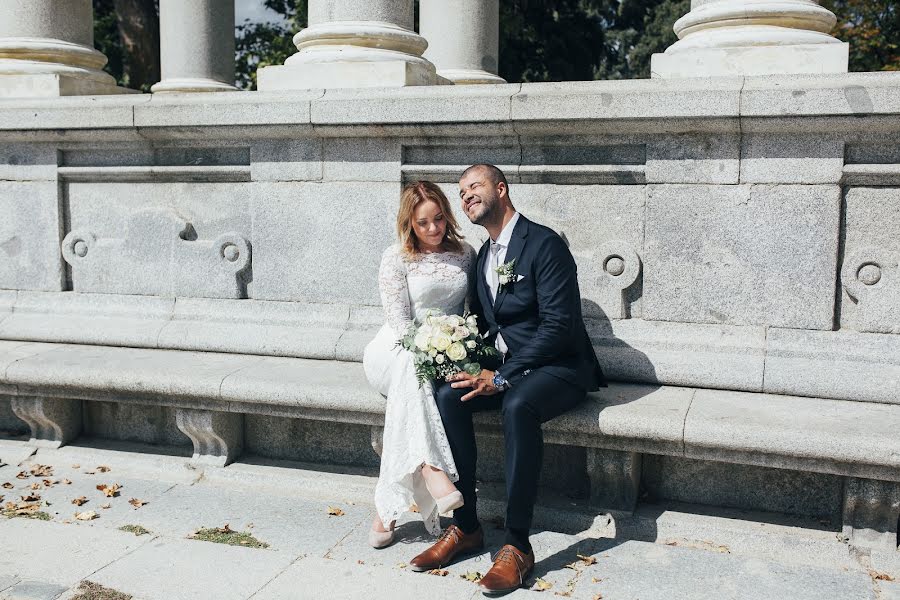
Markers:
<point>53,421</point>
<point>615,478</point>
<point>218,437</point>
<point>871,511</point>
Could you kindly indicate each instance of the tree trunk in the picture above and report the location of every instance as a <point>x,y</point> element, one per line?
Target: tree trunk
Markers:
<point>139,29</point>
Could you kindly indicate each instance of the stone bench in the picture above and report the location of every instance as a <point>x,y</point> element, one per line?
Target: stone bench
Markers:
<point>211,393</point>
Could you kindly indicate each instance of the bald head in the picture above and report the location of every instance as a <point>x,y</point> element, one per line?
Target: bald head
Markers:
<point>492,173</point>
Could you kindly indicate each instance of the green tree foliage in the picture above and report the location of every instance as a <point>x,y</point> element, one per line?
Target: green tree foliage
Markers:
<point>127,32</point>
<point>262,44</point>
<point>872,27</point>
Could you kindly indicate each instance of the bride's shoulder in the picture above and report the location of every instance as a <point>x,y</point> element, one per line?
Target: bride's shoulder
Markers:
<point>394,254</point>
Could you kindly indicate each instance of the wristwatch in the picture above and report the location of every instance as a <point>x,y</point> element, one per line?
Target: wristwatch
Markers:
<point>500,382</point>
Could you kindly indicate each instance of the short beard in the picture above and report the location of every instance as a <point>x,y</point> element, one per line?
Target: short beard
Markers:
<point>489,208</point>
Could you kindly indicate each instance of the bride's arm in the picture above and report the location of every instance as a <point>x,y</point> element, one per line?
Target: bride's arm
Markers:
<point>394,292</point>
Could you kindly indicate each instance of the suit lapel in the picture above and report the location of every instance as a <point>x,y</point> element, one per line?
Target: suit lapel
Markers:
<point>516,245</point>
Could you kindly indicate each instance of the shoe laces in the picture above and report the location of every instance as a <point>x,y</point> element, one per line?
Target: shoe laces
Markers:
<point>451,534</point>
<point>508,555</point>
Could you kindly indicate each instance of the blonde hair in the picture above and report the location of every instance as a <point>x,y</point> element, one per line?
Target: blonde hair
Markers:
<point>414,194</point>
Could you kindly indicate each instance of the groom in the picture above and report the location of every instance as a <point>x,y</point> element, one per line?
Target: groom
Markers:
<point>527,295</point>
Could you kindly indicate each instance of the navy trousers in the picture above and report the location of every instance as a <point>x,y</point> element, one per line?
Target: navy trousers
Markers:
<point>537,398</point>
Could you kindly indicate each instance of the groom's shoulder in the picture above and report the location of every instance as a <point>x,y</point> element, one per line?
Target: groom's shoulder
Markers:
<point>541,232</point>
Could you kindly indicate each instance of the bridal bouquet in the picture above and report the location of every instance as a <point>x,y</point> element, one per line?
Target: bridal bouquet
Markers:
<point>444,345</point>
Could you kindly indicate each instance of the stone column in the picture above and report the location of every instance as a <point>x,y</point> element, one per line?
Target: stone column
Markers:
<point>463,39</point>
<point>753,37</point>
<point>196,39</point>
<point>354,44</point>
<point>47,49</point>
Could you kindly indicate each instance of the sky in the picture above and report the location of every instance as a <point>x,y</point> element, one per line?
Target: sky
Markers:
<point>253,10</point>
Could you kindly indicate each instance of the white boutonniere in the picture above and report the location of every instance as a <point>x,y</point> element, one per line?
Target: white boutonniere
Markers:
<point>506,274</point>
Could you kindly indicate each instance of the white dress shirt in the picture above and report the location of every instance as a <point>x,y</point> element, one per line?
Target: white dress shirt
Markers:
<point>501,244</point>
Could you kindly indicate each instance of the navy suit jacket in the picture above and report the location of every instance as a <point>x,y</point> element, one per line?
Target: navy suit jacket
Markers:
<point>539,315</point>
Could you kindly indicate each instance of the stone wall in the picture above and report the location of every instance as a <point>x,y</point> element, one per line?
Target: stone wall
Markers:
<point>730,233</point>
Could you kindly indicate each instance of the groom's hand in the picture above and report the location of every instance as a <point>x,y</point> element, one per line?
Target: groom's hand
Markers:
<point>481,384</point>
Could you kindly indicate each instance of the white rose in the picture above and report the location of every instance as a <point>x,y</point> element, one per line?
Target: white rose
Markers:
<point>472,322</point>
<point>460,333</point>
<point>471,344</point>
<point>456,351</point>
<point>441,341</point>
<point>422,341</point>
<point>439,359</point>
<point>473,329</point>
<point>432,352</point>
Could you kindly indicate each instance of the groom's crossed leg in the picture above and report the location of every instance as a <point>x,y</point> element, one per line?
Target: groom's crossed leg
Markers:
<point>536,399</point>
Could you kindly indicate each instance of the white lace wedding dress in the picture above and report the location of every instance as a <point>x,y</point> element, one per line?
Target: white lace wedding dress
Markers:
<point>413,430</point>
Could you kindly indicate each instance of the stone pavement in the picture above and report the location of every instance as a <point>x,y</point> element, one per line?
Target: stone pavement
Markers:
<point>660,553</point>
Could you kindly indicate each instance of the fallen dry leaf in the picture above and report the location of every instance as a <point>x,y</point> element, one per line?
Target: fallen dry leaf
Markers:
<point>90,473</point>
<point>31,498</point>
<point>401,565</point>
<point>473,576</point>
<point>597,596</point>
<point>1,498</point>
<point>878,576</point>
<point>48,483</point>
<point>35,486</point>
<point>22,475</point>
<point>105,506</point>
<point>103,469</point>
<point>7,486</point>
<point>335,511</point>
<point>76,466</point>
<point>360,562</point>
<point>226,529</point>
<point>541,585</point>
<point>41,470</point>
<point>9,506</point>
<point>439,572</point>
<point>111,491</point>
<point>67,481</point>
<point>596,580</point>
<point>24,509</point>
<point>86,516</point>
<point>137,503</point>
<point>587,560</point>
<point>79,500</point>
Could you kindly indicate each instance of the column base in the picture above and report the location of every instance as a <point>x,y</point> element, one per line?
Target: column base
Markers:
<point>345,75</point>
<point>48,85</point>
<point>187,85</point>
<point>751,60</point>
<point>470,76</point>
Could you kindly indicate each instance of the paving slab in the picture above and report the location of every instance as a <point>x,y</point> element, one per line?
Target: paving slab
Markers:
<point>12,453</point>
<point>190,569</point>
<point>57,553</point>
<point>6,582</point>
<point>33,590</point>
<point>292,525</point>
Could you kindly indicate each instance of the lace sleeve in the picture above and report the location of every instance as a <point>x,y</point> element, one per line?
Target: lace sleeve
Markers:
<point>394,291</point>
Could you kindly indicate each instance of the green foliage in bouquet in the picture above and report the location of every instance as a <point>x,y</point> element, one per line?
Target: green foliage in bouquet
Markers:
<point>443,345</point>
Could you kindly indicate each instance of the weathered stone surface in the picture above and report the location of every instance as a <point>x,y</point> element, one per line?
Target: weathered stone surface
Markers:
<point>286,160</point>
<point>28,162</point>
<point>635,99</point>
<point>53,421</point>
<point>321,242</point>
<point>791,158</point>
<point>171,245</point>
<point>33,590</point>
<point>692,158</point>
<point>703,261</point>
<point>824,436</point>
<point>361,159</point>
<point>240,108</point>
<point>111,372</point>
<point>699,355</point>
<point>310,441</point>
<point>831,364</point>
<point>844,94</point>
<point>870,274</point>
<point>88,318</point>
<point>615,478</point>
<point>871,513</point>
<point>139,423</point>
<point>255,327</point>
<point>745,487</point>
<point>441,104</point>
<point>103,112</point>
<point>29,255</point>
<point>218,437</point>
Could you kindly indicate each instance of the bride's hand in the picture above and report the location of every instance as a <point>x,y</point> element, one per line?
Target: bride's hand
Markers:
<point>481,384</point>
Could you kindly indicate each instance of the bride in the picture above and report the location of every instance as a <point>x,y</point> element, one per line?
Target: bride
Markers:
<point>428,268</point>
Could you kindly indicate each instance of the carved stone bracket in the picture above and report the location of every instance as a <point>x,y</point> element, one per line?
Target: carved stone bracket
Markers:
<point>871,277</point>
<point>620,268</point>
<point>158,256</point>
<point>615,478</point>
<point>53,421</point>
<point>871,511</point>
<point>218,437</point>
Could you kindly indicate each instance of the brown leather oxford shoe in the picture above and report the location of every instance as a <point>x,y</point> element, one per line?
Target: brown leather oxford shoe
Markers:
<point>511,568</point>
<point>452,544</point>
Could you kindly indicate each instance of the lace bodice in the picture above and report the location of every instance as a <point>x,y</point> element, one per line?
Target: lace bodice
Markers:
<point>411,287</point>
